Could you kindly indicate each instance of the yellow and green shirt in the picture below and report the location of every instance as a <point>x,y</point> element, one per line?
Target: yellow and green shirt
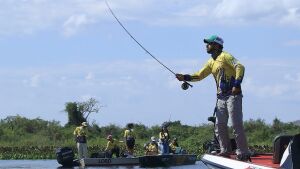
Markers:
<point>173,146</point>
<point>111,144</point>
<point>227,71</point>
<point>152,147</point>
<point>164,136</point>
<point>80,131</point>
<point>129,133</point>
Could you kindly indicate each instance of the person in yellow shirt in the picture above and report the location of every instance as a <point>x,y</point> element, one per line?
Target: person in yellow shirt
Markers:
<point>129,137</point>
<point>80,137</point>
<point>174,146</point>
<point>228,73</point>
<point>164,138</point>
<point>112,147</point>
<point>151,148</point>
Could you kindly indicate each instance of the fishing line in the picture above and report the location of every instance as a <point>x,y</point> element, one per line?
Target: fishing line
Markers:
<point>184,86</point>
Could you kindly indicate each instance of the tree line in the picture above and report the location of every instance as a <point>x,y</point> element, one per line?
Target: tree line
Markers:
<point>23,138</point>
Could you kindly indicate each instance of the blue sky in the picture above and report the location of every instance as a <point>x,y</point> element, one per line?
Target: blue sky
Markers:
<point>53,52</point>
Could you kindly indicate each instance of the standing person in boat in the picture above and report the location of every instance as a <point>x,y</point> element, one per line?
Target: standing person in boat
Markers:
<point>80,137</point>
<point>129,138</point>
<point>228,73</point>
<point>151,147</point>
<point>164,138</point>
<point>112,147</point>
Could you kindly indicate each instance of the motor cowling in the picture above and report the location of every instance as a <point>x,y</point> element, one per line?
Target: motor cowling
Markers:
<point>65,156</point>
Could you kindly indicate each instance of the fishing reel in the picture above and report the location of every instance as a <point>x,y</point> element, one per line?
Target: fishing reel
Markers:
<point>185,85</point>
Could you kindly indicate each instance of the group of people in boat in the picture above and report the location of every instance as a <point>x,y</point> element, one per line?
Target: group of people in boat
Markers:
<point>164,145</point>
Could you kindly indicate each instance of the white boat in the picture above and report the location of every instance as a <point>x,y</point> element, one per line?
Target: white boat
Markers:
<point>289,158</point>
<point>217,162</point>
<point>108,161</point>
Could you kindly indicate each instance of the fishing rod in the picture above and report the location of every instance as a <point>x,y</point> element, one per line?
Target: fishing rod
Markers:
<point>185,85</point>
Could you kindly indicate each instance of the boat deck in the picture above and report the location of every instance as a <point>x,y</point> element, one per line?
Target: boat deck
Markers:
<point>261,161</point>
<point>265,160</point>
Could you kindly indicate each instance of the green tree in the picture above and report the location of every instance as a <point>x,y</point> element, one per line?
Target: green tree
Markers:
<point>75,117</point>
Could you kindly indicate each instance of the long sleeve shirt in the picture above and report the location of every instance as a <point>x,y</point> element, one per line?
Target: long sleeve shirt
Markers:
<point>228,72</point>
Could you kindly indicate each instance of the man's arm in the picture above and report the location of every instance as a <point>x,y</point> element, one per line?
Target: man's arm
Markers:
<point>75,131</point>
<point>239,73</point>
<point>201,74</point>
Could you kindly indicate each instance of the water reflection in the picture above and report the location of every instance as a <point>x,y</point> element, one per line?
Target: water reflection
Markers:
<point>52,164</point>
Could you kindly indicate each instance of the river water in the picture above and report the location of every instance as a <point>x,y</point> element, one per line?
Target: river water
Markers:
<point>52,164</point>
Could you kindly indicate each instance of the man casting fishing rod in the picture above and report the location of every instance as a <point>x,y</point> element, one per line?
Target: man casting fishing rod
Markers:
<point>228,74</point>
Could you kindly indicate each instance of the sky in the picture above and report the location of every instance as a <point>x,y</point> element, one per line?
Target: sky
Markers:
<point>58,51</point>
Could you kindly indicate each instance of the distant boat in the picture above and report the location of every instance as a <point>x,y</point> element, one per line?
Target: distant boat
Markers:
<point>65,157</point>
<point>286,155</point>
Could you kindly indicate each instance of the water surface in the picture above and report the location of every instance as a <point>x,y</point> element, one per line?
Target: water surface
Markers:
<point>52,164</point>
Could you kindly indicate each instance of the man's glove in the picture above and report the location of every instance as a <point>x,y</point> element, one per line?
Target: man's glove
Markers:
<point>185,77</point>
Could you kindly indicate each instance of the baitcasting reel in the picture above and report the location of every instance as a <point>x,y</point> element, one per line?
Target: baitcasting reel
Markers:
<point>185,85</point>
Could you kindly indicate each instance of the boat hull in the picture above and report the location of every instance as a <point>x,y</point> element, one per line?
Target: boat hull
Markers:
<point>258,162</point>
<point>108,161</point>
<point>167,160</point>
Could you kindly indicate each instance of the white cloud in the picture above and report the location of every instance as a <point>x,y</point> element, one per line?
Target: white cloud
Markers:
<point>292,43</point>
<point>28,17</point>
<point>292,16</point>
<point>32,16</point>
<point>33,81</point>
<point>74,22</point>
<point>90,76</point>
<point>276,78</point>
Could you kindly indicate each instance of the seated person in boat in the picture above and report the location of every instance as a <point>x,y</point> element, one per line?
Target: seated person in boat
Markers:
<point>174,146</point>
<point>112,147</point>
<point>129,138</point>
<point>151,147</point>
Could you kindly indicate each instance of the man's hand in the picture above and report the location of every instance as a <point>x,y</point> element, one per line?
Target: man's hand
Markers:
<point>236,91</point>
<point>180,77</point>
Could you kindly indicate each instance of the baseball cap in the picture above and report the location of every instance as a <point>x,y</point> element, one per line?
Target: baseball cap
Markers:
<point>214,38</point>
<point>84,124</point>
<point>109,137</point>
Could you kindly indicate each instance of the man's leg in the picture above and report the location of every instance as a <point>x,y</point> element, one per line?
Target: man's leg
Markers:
<point>80,153</point>
<point>221,129</point>
<point>234,104</point>
<point>84,150</point>
<point>115,151</point>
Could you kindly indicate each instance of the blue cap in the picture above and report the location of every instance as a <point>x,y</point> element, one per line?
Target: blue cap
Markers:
<point>214,38</point>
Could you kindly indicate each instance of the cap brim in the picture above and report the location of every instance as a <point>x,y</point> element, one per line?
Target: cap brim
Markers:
<point>207,41</point>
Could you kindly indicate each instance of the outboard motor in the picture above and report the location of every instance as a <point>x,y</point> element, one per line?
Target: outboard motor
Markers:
<point>65,156</point>
<point>280,143</point>
<point>295,148</point>
<point>291,156</point>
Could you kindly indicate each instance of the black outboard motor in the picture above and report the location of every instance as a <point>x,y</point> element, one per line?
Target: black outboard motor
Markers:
<point>280,143</point>
<point>296,151</point>
<point>65,156</point>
